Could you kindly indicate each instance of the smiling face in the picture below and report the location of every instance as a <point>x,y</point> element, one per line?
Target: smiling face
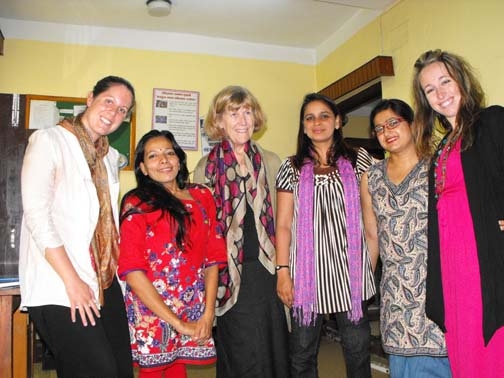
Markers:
<point>160,162</point>
<point>441,90</point>
<point>393,139</point>
<point>237,124</point>
<point>105,112</point>
<point>319,122</point>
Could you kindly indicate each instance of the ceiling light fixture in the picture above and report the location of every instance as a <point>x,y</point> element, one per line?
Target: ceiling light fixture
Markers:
<point>159,8</point>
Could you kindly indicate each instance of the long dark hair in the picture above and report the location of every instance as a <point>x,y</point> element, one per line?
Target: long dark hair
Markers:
<point>338,148</point>
<point>471,103</point>
<point>153,194</point>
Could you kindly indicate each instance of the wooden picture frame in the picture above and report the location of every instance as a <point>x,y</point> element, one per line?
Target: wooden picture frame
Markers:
<point>46,111</point>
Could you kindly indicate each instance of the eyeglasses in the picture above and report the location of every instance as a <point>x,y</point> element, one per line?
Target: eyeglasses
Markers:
<point>390,124</point>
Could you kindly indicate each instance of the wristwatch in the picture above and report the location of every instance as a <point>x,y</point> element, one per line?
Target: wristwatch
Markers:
<point>278,267</point>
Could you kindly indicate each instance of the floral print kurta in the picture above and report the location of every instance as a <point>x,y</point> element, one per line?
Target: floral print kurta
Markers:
<point>148,244</point>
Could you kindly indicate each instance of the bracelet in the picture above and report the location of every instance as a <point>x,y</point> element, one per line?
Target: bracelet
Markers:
<point>278,267</point>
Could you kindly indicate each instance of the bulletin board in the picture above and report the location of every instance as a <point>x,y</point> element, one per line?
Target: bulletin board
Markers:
<point>47,111</point>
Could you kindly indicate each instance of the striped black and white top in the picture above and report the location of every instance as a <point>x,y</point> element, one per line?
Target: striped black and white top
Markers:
<point>331,259</point>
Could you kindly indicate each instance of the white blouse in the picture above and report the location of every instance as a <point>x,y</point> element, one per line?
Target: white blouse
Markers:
<point>60,208</point>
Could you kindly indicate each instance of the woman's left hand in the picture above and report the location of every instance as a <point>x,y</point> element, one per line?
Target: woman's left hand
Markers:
<point>501,225</point>
<point>203,330</point>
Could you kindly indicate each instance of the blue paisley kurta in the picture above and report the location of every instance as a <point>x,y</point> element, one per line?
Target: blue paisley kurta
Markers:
<point>148,244</point>
<point>401,214</point>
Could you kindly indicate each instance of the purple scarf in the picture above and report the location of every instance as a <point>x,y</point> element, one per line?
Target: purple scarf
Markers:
<point>354,236</point>
<point>305,294</point>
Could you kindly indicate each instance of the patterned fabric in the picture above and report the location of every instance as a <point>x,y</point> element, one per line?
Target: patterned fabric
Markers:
<point>305,296</point>
<point>232,192</point>
<point>353,219</point>
<point>104,247</point>
<point>148,244</point>
<point>401,213</point>
<point>330,235</point>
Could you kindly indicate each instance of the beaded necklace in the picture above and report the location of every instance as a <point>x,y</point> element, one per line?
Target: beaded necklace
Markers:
<point>441,158</point>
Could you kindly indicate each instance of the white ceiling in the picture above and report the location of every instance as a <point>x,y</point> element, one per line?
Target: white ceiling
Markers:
<point>300,24</point>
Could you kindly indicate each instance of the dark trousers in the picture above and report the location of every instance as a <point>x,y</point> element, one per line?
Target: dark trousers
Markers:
<point>304,345</point>
<point>100,351</point>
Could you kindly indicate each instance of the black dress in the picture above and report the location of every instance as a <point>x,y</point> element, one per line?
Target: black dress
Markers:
<point>252,336</point>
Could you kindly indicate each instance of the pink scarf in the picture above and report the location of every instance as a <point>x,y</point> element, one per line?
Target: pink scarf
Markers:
<point>305,293</point>
<point>354,236</point>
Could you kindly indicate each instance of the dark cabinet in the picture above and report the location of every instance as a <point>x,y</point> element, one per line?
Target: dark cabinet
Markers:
<point>13,140</point>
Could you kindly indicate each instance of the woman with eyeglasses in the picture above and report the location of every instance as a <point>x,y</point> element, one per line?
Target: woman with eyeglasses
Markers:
<point>394,206</point>
<point>465,286</point>
<point>320,240</point>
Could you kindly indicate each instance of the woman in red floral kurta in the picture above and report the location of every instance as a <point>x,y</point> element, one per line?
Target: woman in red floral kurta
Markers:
<point>170,252</point>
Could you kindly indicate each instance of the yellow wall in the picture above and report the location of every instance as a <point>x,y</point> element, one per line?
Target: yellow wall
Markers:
<point>359,49</point>
<point>473,29</point>
<point>30,67</point>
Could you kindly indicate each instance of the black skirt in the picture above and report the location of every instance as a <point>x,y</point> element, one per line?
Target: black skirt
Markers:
<point>252,336</point>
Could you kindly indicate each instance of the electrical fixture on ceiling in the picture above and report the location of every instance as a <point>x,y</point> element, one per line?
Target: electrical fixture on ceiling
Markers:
<point>159,8</point>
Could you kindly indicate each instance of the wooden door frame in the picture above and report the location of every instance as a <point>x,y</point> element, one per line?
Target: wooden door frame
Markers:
<point>360,86</point>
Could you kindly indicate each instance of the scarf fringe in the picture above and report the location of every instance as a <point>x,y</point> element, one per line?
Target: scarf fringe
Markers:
<point>304,316</point>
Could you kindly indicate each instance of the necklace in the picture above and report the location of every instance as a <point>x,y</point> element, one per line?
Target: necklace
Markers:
<point>440,162</point>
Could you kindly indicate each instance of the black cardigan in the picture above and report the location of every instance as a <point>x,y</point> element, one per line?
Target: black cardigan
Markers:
<point>483,166</point>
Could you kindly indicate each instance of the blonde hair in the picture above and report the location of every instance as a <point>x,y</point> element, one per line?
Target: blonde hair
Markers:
<point>232,97</point>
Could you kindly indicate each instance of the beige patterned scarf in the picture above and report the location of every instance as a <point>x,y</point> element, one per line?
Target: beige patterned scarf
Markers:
<point>104,248</point>
<point>232,192</point>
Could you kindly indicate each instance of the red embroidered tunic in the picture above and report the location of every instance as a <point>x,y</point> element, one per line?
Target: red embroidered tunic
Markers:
<point>148,244</point>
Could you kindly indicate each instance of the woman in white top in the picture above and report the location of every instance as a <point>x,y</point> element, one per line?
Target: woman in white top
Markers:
<point>69,250</point>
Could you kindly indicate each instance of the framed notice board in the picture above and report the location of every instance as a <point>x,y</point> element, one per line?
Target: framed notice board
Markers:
<point>47,111</point>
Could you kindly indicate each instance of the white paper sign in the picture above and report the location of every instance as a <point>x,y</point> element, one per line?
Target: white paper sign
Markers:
<point>178,112</point>
<point>43,114</point>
